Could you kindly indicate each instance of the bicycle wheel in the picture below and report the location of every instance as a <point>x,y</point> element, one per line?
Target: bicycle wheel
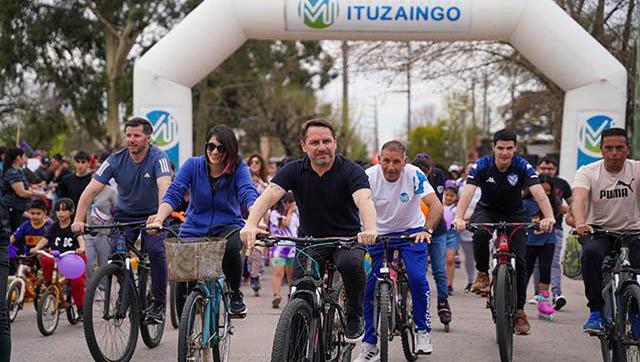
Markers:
<point>222,344</point>
<point>628,346</point>
<point>383,309</point>
<point>13,296</point>
<point>191,346</point>
<point>173,306</point>
<point>111,315</point>
<point>72,315</point>
<point>48,312</point>
<point>504,303</point>
<point>151,333</point>
<point>332,328</point>
<point>294,333</point>
<point>36,296</point>
<point>405,320</point>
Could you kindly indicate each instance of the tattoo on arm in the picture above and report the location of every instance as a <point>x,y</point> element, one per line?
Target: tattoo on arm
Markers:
<point>276,187</point>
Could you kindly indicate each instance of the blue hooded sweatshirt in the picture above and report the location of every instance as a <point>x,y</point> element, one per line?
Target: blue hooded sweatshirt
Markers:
<point>211,209</point>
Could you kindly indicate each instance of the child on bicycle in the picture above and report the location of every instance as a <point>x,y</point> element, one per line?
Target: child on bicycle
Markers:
<point>61,238</point>
<point>283,221</point>
<point>31,231</point>
<point>540,248</point>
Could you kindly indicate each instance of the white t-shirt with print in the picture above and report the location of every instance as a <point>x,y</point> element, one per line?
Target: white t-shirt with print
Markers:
<point>398,203</point>
<point>614,199</point>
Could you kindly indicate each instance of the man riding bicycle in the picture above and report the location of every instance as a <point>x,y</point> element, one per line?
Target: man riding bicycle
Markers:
<point>332,194</point>
<point>143,174</point>
<point>605,195</point>
<point>501,177</point>
<point>397,190</point>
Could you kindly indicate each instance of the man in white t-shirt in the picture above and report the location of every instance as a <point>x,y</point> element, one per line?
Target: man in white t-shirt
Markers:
<point>606,194</point>
<point>397,189</point>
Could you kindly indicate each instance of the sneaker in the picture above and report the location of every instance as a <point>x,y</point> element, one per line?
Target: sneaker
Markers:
<point>444,311</point>
<point>79,317</point>
<point>481,286</point>
<point>156,314</point>
<point>236,303</point>
<point>545,309</point>
<point>354,329</point>
<point>467,289</point>
<point>593,324</point>
<point>559,301</point>
<point>534,300</point>
<point>423,343</point>
<point>450,290</point>
<point>255,285</point>
<point>368,353</point>
<point>275,303</point>
<point>522,324</point>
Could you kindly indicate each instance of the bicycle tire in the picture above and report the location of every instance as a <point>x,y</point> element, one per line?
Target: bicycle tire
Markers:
<point>194,305</point>
<point>504,304</point>
<point>384,315</point>
<point>332,327</point>
<point>607,340</point>
<point>111,271</point>
<point>405,318</point>
<point>36,296</point>
<point>70,311</point>
<point>48,304</point>
<point>296,317</point>
<point>627,349</point>
<point>173,306</point>
<point>222,347</point>
<point>151,333</point>
<point>13,295</point>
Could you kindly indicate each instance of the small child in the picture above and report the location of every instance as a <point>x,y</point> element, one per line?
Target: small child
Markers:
<point>450,201</point>
<point>60,237</point>
<point>31,231</point>
<point>540,247</point>
<point>283,221</point>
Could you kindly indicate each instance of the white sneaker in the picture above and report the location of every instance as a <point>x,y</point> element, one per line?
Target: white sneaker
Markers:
<point>534,300</point>
<point>423,343</point>
<point>368,353</point>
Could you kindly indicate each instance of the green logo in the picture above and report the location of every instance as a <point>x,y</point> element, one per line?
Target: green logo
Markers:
<point>318,14</point>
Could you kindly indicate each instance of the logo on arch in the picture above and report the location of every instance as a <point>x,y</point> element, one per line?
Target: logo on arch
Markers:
<point>318,14</point>
<point>165,133</point>
<point>589,138</point>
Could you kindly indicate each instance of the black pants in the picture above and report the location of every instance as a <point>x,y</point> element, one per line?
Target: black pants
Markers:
<point>16,217</point>
<point>594,249</point>
<point>231,266</point>
<point>518,245</point>
<point>350,265</point>
<point>544,255</point>
<point>5,330</point>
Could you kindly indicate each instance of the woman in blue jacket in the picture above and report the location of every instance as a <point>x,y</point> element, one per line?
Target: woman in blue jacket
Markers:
<point>220,188</point>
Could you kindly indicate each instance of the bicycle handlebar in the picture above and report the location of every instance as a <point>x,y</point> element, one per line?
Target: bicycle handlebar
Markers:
<point>493,226</point>
<point>272,240</point>
<point>91,229</point>
<point>42,252</point>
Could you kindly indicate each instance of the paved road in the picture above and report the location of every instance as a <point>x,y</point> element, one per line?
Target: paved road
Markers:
<point>471,337</point>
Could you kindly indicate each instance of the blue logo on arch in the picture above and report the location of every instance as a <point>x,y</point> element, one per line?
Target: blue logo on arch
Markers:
<point>589,138</point>
<point>165,133</point>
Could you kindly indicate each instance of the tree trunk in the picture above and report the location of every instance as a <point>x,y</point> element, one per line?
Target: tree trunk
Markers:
<point>113,118</point>
<point>598,23</point>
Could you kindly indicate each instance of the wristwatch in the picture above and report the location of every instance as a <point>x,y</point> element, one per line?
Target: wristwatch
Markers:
<point>430,231</point>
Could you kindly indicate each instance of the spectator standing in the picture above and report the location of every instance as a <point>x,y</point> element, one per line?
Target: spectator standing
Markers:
<point>73,184</point>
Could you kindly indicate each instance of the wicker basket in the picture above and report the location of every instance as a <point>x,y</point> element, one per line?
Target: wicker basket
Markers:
<point>198,260</point>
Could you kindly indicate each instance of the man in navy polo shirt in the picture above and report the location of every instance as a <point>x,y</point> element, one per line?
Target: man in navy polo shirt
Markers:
<point>143,174</point>
<point>332,194</point>
<point>501,177</point>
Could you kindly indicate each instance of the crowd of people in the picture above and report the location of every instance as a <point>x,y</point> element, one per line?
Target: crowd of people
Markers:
<point>47,201</point>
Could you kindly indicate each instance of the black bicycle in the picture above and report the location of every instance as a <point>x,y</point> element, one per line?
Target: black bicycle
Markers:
<point>620,337</point>
<point>392,313</point>
<point>118,298</point>
<point>502,297</point>
<point>311,326</point>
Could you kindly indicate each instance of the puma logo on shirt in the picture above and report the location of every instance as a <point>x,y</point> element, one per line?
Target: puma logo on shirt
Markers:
<point>628,185</point>
<point>618,193</point>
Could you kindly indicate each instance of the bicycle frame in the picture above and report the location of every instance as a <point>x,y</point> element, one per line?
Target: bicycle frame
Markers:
<point>214,294</point>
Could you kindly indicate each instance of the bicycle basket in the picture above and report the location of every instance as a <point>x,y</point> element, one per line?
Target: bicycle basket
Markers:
<point>571,264</point>
<point>194,261</point>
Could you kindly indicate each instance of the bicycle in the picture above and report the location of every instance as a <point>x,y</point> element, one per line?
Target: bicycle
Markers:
<point>55,297</point>
<point>502,297</point>
<point>311,326</point>
<point>173,307</point>
<point>392,303</point>
<point>117,300</point>
<point>619,340</point>
<point>22,287</point>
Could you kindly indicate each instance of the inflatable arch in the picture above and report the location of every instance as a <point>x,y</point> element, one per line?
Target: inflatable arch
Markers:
<point>594,81</point>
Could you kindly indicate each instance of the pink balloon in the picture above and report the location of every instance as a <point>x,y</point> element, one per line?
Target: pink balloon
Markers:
<point>71,266</point>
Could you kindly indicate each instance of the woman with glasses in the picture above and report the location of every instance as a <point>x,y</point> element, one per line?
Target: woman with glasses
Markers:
<point>220,187</point>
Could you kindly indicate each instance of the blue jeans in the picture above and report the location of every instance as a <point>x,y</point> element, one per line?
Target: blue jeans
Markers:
<point>438,253</point>
<point>414,257</point>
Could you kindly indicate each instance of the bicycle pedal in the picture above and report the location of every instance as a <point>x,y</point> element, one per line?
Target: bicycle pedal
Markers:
<point>595,333</point>
<point>238,316</point>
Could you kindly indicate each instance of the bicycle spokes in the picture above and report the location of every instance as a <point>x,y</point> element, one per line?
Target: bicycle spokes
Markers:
<point>111,322</point>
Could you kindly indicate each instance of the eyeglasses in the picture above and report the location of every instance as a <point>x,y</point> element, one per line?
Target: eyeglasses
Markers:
<point>212,146</point>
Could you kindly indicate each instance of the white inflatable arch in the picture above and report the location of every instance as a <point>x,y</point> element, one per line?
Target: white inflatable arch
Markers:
<point>594,81</point>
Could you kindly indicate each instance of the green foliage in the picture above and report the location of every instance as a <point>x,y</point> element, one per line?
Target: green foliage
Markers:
<point>431,139</point>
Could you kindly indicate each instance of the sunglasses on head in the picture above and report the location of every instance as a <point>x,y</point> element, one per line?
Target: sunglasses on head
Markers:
<point>212,146</point>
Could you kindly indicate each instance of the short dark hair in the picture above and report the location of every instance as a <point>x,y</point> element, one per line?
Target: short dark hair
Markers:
<point>547,160</point>
<point>37,204</point>
<point>147,128</point>
<point>10,157</point>
<point>316,122</point>
<point>58,157</point>
<point>422,161</point>
<point>505,134</point>
<point>395,146</point>
<point>103,156</point>
<point>614,131</point>
<point>65,203</point>
<point>81,156</point>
